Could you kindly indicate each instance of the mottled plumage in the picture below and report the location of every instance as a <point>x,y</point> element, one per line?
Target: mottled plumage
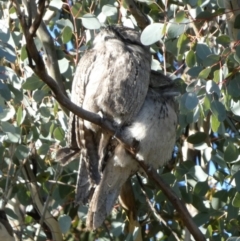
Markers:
<point>155,129</point>
<point>111,79</point>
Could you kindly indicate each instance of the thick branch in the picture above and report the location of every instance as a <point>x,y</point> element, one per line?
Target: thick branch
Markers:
<point>105,124</point>
<point>38,18</point>
<point>38,27</point>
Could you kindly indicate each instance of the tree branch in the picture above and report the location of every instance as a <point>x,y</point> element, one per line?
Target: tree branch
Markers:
<point>105,124</point>
<point>141,18</point>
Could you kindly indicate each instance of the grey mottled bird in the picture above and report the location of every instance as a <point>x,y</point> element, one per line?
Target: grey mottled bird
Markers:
<point>111,79</point>
<point>155,129</point>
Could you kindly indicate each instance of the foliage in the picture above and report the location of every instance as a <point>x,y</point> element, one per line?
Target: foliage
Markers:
<point>190,40</point>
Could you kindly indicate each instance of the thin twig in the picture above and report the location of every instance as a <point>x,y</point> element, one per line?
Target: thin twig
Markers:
<point>45,207</point>
<point>154,211</point>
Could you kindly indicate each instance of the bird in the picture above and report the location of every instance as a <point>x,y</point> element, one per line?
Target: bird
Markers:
<point>112,80</point>
<point>154,128</point>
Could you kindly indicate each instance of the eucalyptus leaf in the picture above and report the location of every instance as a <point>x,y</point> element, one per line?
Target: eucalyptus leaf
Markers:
<point>197,138</point>
<point>174,29</point>
<point>231,153</point>
<point>64,223</point>
<point>202,51</point>
<point>152,34</point>
<point>190,100</point>
<point>190,59</point>
<point>66,34</point>
<point>32,83</point>
<point>218,110</point>
<point>212,87</point>
<point>7,52</point>
<point>90,21</point>
<point>109,10</point>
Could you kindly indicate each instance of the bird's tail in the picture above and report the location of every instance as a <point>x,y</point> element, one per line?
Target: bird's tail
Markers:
<point>106,193</point>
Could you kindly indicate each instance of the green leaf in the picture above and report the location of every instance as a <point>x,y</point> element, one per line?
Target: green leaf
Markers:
<point>218,110</point>
<point>197,138</point>
<point>211,60</point>
<point>66,34</point>
<point>76,10</point>
<point>32,83</point>
<point>59,133</point>
<point>236,200</point>
<point>38,95</point>
<point>194,71</point>
<point>82,212</point>
<point>7,113</point>
<point>17,95</point>
<point>169,178</point>
<point>224,40</point>
<point>237,22</point>
<point>21,152</point>
<point>43,150</point>
<point>233,87</point>
<point>11,132</point>
<point>4,91</point>
<point>190,100</point>
<point>55,4</point>
<point>235,107</point>
<point>218,157</point>
<point>202,51</point>
<point>23,54</point>
<point>217,75</point>
<point>219,199</point>
<point>201,188</point>
<point>174,29</point>
<point>190,59</point>
<point>7,52</point>
<point>204,73</point>
<point>198,173</point>
<point>64,223</point>
<point>201,218</point>
<point>214,123</point>
<point>212,87</point>
<point>109,10</point>
<point>195,85</point>
<point>221,3</point>
<point>231,153</point>
<point>63,23</point>
<point>63,65</point>
<point>152,33</point>
<point>44,111</point>
<point>90,21</point>
<point>180,16</point>
<point>20,115</point>
<point>182,43</point>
